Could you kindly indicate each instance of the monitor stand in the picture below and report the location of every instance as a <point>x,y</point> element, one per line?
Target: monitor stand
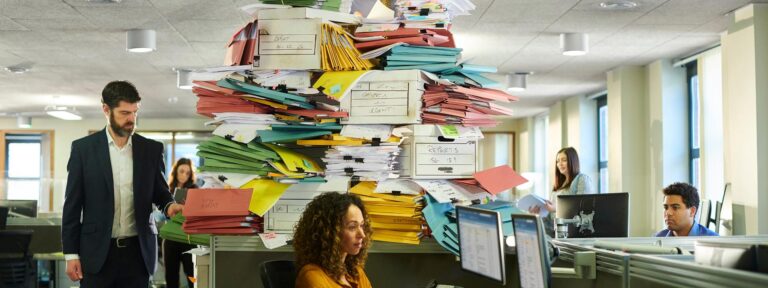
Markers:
<point>584,267</point>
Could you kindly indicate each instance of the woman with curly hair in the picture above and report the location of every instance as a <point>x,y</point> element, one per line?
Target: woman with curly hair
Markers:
<point>331,242</point>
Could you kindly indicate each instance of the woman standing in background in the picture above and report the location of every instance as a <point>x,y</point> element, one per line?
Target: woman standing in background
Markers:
<point>182,176</point>
<point>568,181</point>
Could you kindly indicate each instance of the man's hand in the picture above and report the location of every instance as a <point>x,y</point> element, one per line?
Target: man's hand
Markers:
<point>173,209</point>
<point>74,271</point>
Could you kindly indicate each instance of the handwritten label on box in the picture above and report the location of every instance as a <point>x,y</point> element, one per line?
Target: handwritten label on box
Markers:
<point>449,159</point>
<point>287,44</point>
<point>380,99</point>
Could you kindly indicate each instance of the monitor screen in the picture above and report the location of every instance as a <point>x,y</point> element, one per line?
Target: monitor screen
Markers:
<point>593,215</point>
<point>20,208</point>
<point>480,242</point>
<point>532,261</point>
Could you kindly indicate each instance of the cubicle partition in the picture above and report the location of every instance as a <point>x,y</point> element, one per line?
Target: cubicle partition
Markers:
<point>235,261</point>
<point>636,269</point>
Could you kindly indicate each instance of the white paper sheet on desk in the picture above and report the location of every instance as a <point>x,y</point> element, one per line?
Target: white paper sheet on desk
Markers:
<point>443,190</point>
<point>367,131</point>
<point>242,133</point>
<point>243,118</point>
<point>199,251</point>
<point>531,200</point>
<point>403,186</point>
<point>273,240</point>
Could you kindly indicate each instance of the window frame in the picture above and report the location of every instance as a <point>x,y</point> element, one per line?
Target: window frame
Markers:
<point>8,139</point>
<point>694,131</point>
<point>601,101</point>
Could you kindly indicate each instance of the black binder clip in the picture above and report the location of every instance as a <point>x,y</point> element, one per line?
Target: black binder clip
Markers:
<point>476,202</point>
<point>396,192</point>
<point>354,181</point>
<point>229,137</point>
<point>376,141</point>
<point>347,157</point>
<point>282,88</point>
<point>349,171</point>
<point>440,25</point>
<point>454,200</point>
<point>424,12</point>
<point>222,178</point>
<point>359,160</point>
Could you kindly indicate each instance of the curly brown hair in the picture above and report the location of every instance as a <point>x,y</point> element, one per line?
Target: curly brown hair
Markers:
<point>317,239</point>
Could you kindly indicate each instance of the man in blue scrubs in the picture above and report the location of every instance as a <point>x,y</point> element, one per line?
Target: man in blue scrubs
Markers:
<point>681,201</point>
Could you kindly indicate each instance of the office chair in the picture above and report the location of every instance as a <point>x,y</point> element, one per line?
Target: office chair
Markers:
<point>17,268</point>
<point>278,273</point>
<point>3,217</point>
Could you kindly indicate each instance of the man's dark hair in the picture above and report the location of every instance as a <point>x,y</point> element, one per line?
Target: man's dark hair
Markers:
<point>689,193</point>
<point>117,91</point>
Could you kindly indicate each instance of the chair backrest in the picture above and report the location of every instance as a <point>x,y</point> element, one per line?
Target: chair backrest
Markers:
<point>278,273</point>
<point>15,242</point>
<point>3,217</point>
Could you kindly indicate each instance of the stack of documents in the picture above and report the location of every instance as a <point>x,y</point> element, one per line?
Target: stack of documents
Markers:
<point>172,231</point>
<point>223,155</point>
<point>331,5</point>
<point>241,47</point>
<point>432,13</point>
<point>213,99</point>
<point>220,211</point>
<point>372,163</point>
<point>439,60</point>
<point>464,106</point>
<point>394,218</point>
<point>338,52</point>
<point>368,40</point>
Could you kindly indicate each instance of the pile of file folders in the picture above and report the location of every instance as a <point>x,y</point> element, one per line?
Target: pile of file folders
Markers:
<point>220,211</point>
<point>172,230</point>
<point>467,106</point>
<point>394,218</point>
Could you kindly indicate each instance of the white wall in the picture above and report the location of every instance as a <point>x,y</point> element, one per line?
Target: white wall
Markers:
<point>711,90</point>
<point>668,133</point>
<point>581,130</point>
<point>68,131</point>
<point>628,143</point>
<point>745,100</point>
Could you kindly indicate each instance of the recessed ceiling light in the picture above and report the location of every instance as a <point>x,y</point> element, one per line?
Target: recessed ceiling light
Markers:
<point>17,69</point>
<point>618,5</point>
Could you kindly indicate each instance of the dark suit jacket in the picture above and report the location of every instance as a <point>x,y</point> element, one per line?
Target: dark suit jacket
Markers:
<point>90,191</point>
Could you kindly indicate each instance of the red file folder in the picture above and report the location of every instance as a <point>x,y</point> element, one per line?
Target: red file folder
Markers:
<point>217,202</point>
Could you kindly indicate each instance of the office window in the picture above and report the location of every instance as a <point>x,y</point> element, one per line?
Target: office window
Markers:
<point>179,144</point>
<point>694,124</point>
<point>24,166</point>
<point>602,142</point>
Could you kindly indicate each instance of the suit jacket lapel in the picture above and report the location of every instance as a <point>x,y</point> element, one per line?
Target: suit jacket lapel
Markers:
<point>106,164</point>
<point>138,162</point>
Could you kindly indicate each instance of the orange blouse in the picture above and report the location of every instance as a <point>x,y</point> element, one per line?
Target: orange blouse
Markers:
<point>312,276</point>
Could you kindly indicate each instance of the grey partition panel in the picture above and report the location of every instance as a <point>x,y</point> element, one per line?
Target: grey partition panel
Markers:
<point>655,271</point>
<point>611,266</point>
<point>235,262</point>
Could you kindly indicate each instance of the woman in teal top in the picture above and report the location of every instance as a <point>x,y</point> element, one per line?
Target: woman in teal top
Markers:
<point>568,181</point>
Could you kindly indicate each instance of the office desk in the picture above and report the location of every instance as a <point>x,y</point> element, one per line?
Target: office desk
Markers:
<point>235,261</point>
<point>46,236</point>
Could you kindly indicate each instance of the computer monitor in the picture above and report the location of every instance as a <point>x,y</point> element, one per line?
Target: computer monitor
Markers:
<point>531,249</point>
<point>593,215</point>
<point>481,242</point>
<point>20,208</point>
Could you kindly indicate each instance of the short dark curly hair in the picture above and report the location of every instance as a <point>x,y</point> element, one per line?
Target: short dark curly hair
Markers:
<point>117,91</point>
<point>317,238</point>
<point>689,193</point>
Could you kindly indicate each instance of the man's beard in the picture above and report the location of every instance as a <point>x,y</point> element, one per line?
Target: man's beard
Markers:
<point>120,130</point>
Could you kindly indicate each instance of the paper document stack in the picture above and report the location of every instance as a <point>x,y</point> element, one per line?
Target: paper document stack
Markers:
<point>431,13</point>
<point>394,218</point>
<point>464,106</point>
<point>172,231</point>
<point>369,163</point>
<point>368,40</point>
<point>220,211</point>
<point>331,5</point>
